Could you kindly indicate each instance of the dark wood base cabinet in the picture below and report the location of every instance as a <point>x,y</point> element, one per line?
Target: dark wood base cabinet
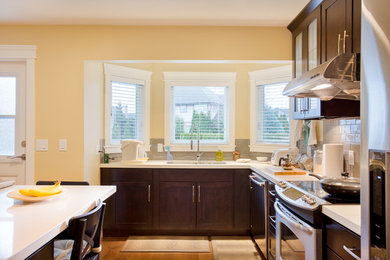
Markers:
<point>177,201</point>
<point>339,240</point>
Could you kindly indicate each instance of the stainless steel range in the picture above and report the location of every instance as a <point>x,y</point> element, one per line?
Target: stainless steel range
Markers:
<point>299,222</point>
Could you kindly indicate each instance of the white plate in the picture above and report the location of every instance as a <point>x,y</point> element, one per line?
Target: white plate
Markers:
<point>16,195</point>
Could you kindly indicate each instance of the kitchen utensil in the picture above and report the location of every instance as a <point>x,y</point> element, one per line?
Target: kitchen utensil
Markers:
<point>343,186</point>
<point>279,171</point>
<point>130,151</point>
<point>261,158</point>
<point>279,153</point>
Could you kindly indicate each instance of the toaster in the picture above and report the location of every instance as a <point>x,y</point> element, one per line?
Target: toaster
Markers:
<point>280,153</point>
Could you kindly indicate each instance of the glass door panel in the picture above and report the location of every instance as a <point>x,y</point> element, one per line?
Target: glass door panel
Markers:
<point>7,115</point>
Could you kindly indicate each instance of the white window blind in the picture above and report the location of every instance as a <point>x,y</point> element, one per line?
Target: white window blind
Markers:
<point>272,114</point>
<point>205,107</point>
<point>127,111</point>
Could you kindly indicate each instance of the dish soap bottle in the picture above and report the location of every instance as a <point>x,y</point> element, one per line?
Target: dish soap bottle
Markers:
<point>219,155</point>
<point>169,155</point>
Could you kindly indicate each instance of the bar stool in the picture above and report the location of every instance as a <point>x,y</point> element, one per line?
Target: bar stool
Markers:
<point>82,239</point>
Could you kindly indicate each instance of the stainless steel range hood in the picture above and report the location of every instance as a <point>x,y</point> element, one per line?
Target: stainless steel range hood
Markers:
<point>337,78</point>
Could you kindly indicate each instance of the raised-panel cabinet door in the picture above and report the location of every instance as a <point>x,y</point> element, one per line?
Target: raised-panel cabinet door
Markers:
<point>177,206</point>
<point>215,206</point>
<point>133,204</point>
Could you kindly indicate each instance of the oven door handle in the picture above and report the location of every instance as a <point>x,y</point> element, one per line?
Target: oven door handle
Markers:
<point>252,177</point>
<point>286,216</point>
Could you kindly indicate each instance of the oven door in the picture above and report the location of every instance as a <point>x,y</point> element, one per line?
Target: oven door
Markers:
<point>295,239</point>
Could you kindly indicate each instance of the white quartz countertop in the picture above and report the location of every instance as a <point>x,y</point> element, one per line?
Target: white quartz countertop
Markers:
<point>25,227</point>
<point>346,215</point>
<point>256,166</point>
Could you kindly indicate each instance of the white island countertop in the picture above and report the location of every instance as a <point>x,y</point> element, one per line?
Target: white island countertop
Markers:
<point>25,227</point>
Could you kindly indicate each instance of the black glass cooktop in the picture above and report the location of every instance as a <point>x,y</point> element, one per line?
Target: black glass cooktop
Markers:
<point>314,188</point>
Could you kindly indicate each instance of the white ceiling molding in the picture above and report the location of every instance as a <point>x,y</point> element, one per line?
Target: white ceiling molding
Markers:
<point>152,12</point>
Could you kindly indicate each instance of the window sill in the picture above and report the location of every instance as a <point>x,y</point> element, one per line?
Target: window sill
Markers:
<point>202,148</point>
<point>266,148</point>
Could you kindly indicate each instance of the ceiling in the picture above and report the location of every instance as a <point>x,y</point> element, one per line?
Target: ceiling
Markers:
<point>151,12</point>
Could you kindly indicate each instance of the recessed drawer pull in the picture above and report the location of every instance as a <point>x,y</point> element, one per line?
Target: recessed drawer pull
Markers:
<point>349,251</point>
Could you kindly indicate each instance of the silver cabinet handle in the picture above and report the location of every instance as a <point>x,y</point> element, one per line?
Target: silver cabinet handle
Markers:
<point>252,177</point>
<point>349,251</point>
<point>344,40</point>
<point>198,193</point>
<point>338,44</point>
<point>23,157</point>
<point>193,193</point>
<point>148,193</point>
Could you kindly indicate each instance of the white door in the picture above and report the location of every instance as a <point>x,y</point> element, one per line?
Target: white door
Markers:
<point>12,121</point>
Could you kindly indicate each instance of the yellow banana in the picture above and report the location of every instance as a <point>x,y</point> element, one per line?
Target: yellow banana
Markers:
<point>42,191</point>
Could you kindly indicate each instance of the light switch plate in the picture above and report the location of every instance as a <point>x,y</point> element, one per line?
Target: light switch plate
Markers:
<point>160,148</point>
<point>42,145</point>
<point>62,144</point>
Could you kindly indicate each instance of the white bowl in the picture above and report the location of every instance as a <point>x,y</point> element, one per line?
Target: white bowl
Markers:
<point>262,158</point>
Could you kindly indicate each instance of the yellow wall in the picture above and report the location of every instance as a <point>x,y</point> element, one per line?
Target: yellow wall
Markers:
<point>59,70</point>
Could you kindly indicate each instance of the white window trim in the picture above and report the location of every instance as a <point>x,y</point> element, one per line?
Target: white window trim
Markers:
<point>263,77</point>
<point>137,76</point>
<point>200,79</point>
<point>27,54</point>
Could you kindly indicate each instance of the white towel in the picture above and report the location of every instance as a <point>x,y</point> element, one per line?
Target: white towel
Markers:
<point>296,131</point>
<point>312,140</point>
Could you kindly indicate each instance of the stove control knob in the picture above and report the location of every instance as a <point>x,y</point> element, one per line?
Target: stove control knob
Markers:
<point>311,201</point>
<point>282,184</point>
<point>305,198</point>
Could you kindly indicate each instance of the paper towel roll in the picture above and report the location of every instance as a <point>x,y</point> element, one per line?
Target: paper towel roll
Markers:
<point>333,160</point>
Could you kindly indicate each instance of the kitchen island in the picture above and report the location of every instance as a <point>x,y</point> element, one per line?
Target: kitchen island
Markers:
<point>26,227</point>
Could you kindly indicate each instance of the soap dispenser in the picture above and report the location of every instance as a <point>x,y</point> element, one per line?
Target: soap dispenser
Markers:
<point>169,155</point>
<point>219,155</point>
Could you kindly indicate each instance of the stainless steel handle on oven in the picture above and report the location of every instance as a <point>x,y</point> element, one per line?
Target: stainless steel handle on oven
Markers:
<point>283,213</point>
<point>349,251</point>
<point>148,193</point>
<point>193,193</point>
<point>261,184</point>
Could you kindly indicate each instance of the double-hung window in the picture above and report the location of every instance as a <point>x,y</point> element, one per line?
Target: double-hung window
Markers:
<point>270,110</point>
<point>127,106</point>
<point>199,104</point>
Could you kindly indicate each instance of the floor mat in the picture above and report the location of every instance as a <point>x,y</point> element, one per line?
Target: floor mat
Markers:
<point>193,244</point>
<point>233,248</point>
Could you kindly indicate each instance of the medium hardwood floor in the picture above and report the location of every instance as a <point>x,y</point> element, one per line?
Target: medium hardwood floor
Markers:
<point>111,248</point>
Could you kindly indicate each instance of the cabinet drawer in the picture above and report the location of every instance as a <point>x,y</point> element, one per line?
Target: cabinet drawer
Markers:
<point>108,175</point>
<point>330,255</point>
<point>338,236</point>
<point>201,175</point>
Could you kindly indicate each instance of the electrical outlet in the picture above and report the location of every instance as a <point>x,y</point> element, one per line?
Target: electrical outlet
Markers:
<point>160,148</point>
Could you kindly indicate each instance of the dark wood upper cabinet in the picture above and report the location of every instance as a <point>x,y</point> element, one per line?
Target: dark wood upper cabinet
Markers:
<point>177,205</point>
<point>215,205</point>
<point>318,35</point>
